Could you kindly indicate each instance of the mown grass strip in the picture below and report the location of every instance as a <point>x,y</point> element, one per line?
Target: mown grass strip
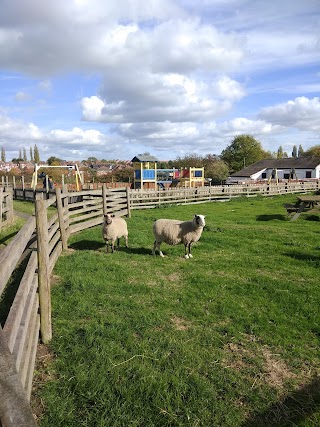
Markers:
<point>228,338</point>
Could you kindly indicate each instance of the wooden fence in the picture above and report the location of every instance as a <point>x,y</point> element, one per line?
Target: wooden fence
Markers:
<point>28,260</point>
<point>150,198</point>
<point>6,206</point>
<point>33,253</point>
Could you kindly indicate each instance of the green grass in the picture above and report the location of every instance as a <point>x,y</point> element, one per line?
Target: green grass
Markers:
<point>228,338</point>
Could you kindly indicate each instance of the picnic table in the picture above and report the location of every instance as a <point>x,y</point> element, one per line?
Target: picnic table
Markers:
<point>306,203</point>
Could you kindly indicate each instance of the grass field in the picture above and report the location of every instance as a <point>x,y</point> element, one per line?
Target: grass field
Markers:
<point>228,338</point>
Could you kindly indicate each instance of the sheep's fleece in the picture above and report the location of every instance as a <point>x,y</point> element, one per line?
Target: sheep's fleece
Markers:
<point>114,228</point>
<point>173,232</point>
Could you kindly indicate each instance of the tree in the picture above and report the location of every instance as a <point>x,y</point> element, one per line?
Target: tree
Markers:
<point>301,151</point>
<point>36,154</point>
<point>189,161</point>
<point>313,151</point>
<point>54,161</point>
<point>243,151</point>
<point>24,154</point>
<point>217,170</point>
<point>20,154</point>
<point>3,154</point>
<point>280,153</point>
<point>31,155</point>
<point>294,151</point>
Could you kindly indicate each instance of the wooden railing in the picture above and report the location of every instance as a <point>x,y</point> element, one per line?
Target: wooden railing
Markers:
<point>150,199</point>
<point>34,252</point>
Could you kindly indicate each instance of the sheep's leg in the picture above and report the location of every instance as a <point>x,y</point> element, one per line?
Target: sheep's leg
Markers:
<point>189,246</point>
<point>112,246</point>
<point>126,238</point>
<point>156,246</point>
<point>107,246</point>
<point>185,251</point>
<point>118,243</point>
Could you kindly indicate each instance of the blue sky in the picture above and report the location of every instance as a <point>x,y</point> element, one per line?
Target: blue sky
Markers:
<point>113,79</point>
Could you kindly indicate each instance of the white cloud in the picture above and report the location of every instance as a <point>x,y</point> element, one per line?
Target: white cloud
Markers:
<point>22,96</point>
<point>13,132</point>
<point>168,97</point>
<point>242,125</point>
<point>302,113</point>
<point>45,85</point>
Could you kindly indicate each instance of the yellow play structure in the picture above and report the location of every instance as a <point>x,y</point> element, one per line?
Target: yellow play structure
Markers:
<point>79,176</point>
<point>147,175</point>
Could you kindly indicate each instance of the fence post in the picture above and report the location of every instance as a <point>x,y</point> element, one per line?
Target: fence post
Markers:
<point>9,204</point>
<point>43,270</point>
<point>104,199</point>
<point>63,231</point>
<point>128,202</point>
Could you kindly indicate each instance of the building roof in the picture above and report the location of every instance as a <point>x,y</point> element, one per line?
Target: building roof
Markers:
<point>285,163</point>
<point>142,158</point>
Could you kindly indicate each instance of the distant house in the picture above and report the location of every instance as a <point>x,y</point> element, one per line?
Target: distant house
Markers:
<point>300,168</point>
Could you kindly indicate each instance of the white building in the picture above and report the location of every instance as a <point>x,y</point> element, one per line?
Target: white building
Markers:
<point>298,168</point>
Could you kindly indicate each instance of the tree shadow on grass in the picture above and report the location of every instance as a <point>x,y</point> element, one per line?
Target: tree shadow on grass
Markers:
<point>272,217</point>
<point>293,409</point>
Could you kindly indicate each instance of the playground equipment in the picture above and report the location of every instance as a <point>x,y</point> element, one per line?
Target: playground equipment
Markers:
<point>146,174</point>
<point>34,182</point>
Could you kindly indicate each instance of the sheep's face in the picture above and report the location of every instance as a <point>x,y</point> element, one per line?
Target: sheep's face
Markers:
<point>108,219</point>
<point>200,220</point>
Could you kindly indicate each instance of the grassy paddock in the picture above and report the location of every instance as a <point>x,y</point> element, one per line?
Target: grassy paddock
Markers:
<point>228,338</point>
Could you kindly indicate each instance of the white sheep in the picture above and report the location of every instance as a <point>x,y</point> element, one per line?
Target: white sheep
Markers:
<point>114,228</point>
<point>173,232</point>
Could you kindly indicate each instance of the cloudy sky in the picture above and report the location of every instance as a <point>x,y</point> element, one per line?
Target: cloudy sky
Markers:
<point>113,79</point>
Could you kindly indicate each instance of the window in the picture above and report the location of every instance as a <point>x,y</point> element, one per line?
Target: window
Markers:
<point>308,174</point>
<point>264,175</point>
<point>286,176</point>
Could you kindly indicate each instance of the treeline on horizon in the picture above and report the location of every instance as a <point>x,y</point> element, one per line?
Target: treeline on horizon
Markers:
<point>243,151</point>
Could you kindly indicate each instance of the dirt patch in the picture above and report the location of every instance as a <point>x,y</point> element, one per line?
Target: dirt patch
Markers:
<point>273,370</point>
<point>173,277</point>
<point>276,370</point>
<point>54,279</point>
<point>180,324</point>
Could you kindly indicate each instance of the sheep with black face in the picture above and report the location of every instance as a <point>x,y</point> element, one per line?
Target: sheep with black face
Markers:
<point>173,232</point>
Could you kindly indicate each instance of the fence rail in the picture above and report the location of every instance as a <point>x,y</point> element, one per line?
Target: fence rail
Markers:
<point>35,250</point>
<point>149,198</point>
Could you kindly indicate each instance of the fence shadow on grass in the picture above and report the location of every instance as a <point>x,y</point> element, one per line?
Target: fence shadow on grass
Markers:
<point>94,245</point>
<point>272,217</point>
<point>6,238</point>
<point>295,408</point>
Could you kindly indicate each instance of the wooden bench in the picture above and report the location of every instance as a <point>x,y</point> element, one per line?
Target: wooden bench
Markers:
<point>291,208</point>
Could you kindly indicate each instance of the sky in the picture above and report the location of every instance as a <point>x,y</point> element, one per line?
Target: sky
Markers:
<point>114,79</point>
